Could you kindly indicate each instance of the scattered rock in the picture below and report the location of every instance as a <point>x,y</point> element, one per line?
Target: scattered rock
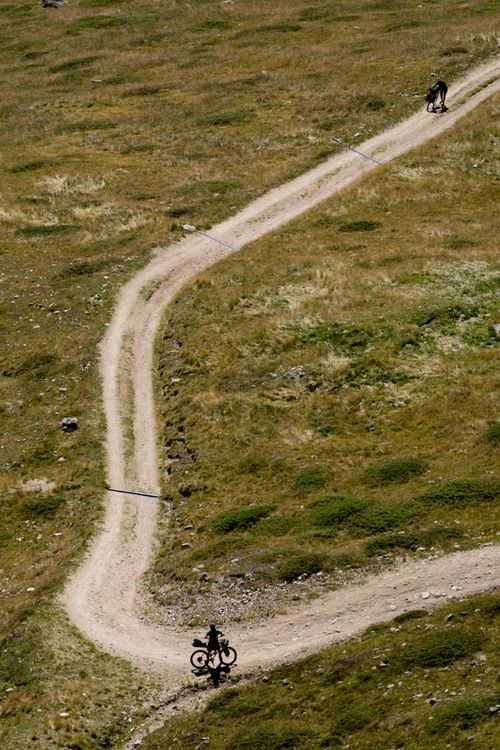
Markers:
<point>52,3</point>
<point>69,424</point>
<point>426,594</point>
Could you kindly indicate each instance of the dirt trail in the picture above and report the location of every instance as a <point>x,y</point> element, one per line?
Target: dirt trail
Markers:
<point>103,597</point>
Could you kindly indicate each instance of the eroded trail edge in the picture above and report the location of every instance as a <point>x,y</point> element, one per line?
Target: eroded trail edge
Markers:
<point>103,596</point>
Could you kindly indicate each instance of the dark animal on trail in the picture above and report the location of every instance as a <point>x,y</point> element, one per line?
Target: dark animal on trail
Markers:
<point>439,89</point>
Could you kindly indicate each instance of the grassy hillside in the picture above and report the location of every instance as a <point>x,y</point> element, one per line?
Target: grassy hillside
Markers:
<point>422,683</point>
<point>118,121</point>
<point>331,391</point>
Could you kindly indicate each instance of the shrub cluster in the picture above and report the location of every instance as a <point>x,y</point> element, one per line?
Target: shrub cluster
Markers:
<point>459,492</point>
<point>396,471</point>
<point>300,565</point>
<point>440,647</point>
<point>242,517</point>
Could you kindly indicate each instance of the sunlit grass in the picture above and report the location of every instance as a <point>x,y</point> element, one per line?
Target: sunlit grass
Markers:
<point>345,362</point>
<point>119,121</point>
<point>422,682</point>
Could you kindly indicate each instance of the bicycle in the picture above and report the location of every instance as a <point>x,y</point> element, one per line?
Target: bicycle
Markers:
<point>202,658</point>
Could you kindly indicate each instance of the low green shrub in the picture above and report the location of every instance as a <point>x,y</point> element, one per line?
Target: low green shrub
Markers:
<point>262,738</point>
<point>492,434</point>
<point>460,493</point>
<point>335,511</point>
<point>94,23</point>
<point>312,478</point>
<point>38,365</point>
<point>342,336</point>
<point>412,614</point>
<point>175,213</point>
<point>28,166</point>
<point>383,517</point>
<point>351,720</point>
<point>397,471</point>
<point>41,505</point>
<point>219,550</point>
<point>413,540</point>
<point>80,62</point>
<point>41,454</point>
<point>275,526</point>
<point>146,90</point>
<point>371,103</point>
<point>269,29</point>
<point>440,647</point>
<point>359,226</point>
<point>39,230</point>
<point>461,714</point>
<point>300,565</point>
<point>84,268</point>
<point>346,560</point>
<point>213,24</point>
<point>242,517</point>
<point>455,50</point>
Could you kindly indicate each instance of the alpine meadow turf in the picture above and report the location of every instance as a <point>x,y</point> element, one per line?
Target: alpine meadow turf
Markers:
<point>120,121</point>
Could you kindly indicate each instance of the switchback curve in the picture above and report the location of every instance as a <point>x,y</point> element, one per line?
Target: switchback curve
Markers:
<point>103,596</point>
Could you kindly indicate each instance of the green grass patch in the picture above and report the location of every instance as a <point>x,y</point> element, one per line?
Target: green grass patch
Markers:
<point>281,28</point>
<point>300,565</point>
<point>41,230</point>
<point>37,365</point>
<point>414,540</point>
<point>492,434</point>
<point>379,685</point>
<point>336,511</point>
<point>309,479</point>
<point>80,62</point>
<point>29,166</point>
<point>40,505</point>
<point>242,517</point>
<point>441,647</point>
<point>396,471</point>
<point>92,23</point>
<point>459,493</point>
<point>362,225</point>
<point>462,714</point>
<point>73,148</point>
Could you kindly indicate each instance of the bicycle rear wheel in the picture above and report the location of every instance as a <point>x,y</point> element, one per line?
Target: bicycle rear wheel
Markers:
<point>199,659</point>
<point>228,658</point>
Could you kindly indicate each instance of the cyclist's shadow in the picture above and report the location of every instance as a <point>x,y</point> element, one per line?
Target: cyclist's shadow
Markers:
<point>215,672</point>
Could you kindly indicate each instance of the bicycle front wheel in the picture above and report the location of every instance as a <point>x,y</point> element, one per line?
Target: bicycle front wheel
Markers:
<point>199,659</point>
<point>228,658</point>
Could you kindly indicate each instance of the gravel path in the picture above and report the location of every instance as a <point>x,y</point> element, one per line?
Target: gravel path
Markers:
<point>103,597</point>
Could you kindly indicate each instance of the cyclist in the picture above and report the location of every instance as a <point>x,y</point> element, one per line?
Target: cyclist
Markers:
<point>439,89</point>
<point>215,640</point>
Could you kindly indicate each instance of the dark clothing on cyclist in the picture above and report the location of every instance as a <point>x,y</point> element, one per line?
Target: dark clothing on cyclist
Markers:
<point>213,636</point>
<point>439,89</point>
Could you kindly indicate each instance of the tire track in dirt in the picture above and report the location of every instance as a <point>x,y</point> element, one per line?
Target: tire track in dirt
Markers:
<point>103,596</point>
